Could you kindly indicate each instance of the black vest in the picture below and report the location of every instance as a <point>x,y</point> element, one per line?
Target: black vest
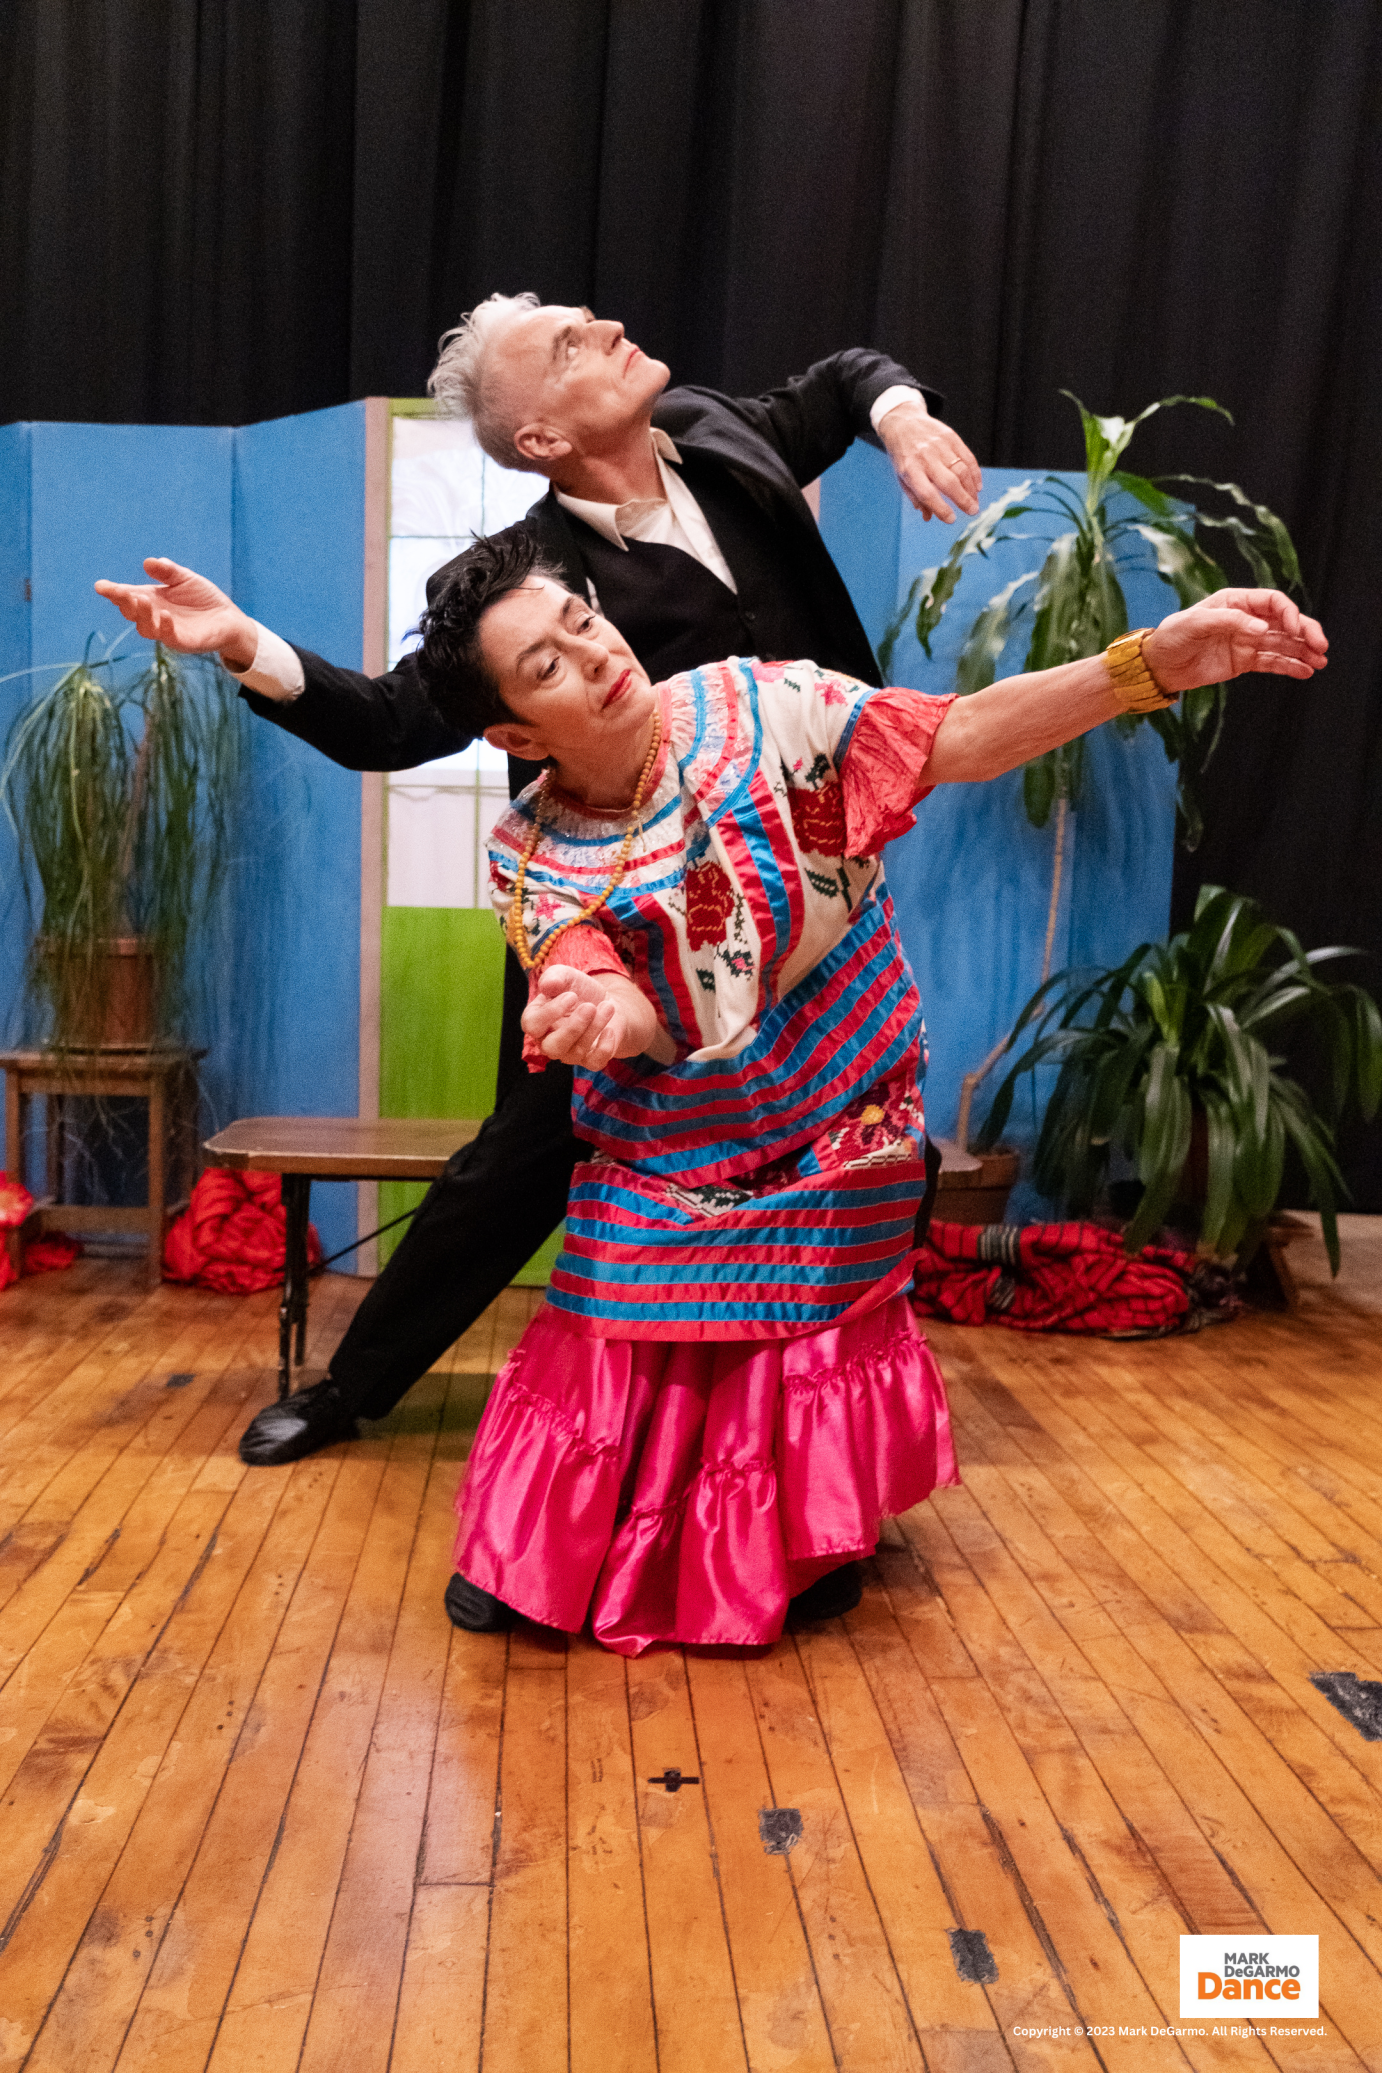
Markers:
<point>675,615</point>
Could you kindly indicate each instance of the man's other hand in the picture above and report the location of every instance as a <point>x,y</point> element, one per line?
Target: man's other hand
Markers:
<point>1230,633</point>
<point>931,460</point>
<point>184,611</point>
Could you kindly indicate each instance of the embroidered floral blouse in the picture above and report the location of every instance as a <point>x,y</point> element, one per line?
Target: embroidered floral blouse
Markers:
<point>780,764</point>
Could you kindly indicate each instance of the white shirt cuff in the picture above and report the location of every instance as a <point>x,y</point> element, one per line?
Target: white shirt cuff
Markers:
<point>889,400</point>
<point>275,671</point>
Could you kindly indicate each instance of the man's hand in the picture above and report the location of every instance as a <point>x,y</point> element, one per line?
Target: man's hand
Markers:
<point>1230,633</point>
<point>186,612</point>
<point>932,462</point>
<point>586,1020</point>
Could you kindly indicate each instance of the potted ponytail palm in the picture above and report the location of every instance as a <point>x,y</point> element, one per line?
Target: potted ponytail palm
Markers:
<point>1172,1058</point>
<point>121,799</point>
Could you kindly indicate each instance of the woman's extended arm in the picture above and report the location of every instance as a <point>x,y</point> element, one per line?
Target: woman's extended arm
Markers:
<point>588,1018</point>
<point>1221,637</point>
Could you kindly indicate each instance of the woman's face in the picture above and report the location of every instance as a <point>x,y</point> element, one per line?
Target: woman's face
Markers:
<point>569,678</point>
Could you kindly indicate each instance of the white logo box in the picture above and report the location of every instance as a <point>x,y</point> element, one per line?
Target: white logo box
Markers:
<point>1249,1978</point>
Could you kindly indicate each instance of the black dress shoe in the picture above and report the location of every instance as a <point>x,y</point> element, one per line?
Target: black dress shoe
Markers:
<point>314,1418</point>
<point>839,1590</point>
<point>476,1610</point>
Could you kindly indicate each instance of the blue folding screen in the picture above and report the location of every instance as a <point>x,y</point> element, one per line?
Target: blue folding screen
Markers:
<point>971,882</point>
<point>273,513</point>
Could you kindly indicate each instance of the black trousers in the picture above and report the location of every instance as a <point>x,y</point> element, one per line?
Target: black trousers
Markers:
<point>489,1212</point>
<point>498,1199</point>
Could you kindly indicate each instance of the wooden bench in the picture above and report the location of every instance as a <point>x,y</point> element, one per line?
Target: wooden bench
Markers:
<point>302,1149</point>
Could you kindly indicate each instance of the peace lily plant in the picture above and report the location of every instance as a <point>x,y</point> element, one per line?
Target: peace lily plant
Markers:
<point>1172,1059</point>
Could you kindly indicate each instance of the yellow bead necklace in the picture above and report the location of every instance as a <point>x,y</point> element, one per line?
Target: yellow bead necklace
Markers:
<point>518,934</point>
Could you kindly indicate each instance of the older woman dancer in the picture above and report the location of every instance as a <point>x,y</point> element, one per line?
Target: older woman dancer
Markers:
<point>726,1390</point>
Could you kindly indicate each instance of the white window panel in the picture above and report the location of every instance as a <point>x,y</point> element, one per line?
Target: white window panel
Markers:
<point>411,561</point>
<point>478,761</point>
<point>509,494</point>
<point>436,482</point>
<point>436,843</point>
<point>443,492</point>
<point>441,483</point>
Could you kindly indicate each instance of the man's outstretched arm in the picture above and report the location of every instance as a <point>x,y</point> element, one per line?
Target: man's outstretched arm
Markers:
<point>361,722</point>
<point>860,394</point>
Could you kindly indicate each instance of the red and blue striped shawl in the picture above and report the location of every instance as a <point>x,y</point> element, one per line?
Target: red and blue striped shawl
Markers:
<point>766,1182</point>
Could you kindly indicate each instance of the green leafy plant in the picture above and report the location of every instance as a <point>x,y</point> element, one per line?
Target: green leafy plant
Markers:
<point>1176,1045</point>
<point>121,796</point>
<point>1074,603</point>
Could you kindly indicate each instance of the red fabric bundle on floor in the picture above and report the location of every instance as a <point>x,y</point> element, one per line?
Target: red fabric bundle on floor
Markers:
<point>51,1253</point>
<point>15,1203</point>
<point>45,1255</point>
<point>231,1237</point>
<point>1051,1278</point>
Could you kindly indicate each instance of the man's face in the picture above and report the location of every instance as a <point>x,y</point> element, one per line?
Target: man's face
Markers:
<point>576,375</point>
<point>570,679</point>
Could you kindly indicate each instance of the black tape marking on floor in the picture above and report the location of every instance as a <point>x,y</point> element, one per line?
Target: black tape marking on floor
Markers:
<point>973,1958</point>
<point>1357,1698</point>
<point>179,1381</point>
<point>673,1780</point>
<point>780,1828</point>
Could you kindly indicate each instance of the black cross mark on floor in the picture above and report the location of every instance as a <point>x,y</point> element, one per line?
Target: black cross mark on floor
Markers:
<point>973,1959</point>
<point>179,1381</point>
<point>673,1780</point>
<point>1357,1698</point>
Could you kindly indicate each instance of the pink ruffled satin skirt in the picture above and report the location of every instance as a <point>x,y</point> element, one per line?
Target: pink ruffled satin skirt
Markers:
<point>675,1492</point>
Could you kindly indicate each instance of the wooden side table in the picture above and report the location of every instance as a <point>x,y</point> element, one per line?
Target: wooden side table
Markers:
<point>306,1148</point>
<point>164,1077</point>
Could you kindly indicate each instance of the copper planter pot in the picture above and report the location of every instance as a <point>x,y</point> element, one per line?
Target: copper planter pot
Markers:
<point>108,1003</point>
<point>974,1186</point>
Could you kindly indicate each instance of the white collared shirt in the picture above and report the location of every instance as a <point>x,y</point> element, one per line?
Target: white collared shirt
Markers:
<point>674,519</point>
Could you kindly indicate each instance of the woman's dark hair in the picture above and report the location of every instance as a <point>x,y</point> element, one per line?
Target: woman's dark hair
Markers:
<point>453,670</point>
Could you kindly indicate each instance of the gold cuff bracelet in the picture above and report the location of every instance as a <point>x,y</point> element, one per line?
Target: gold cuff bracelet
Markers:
<point>1134,686</point>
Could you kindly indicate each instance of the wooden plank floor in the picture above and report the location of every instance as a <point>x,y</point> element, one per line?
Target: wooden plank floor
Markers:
<point>263,1809</point>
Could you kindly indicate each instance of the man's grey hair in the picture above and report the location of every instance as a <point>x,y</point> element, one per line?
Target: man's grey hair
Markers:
<point>461,380</point>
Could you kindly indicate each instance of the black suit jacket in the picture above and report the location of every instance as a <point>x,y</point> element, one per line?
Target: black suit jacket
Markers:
<point>772,445</point>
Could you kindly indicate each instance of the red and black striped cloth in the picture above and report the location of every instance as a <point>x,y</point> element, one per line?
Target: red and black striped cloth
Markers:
<point>1064,1278</point>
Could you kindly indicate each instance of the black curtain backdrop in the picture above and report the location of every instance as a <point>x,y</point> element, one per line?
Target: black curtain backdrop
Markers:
<point>213,212</point>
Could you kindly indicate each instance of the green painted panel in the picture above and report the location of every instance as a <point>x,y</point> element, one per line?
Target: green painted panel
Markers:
<point>442,989</point>
<point>441,994</point>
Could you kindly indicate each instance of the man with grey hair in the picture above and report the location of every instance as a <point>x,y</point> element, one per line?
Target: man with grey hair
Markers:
<point>680,513</point>
<point>510,360</point>
<point>458,381</point>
